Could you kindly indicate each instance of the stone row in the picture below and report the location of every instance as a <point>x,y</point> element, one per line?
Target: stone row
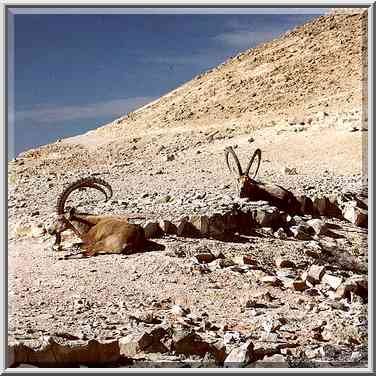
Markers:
<point>165,340</point>
<point>244,217</point>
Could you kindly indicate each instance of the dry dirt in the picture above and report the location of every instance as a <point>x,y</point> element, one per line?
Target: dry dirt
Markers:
<point>298,98</point>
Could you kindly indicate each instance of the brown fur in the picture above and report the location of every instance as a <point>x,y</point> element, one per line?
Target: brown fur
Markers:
<point>275,194</point>
<point>99,233</point>
<point>257,191</point>
<point>111,235</point>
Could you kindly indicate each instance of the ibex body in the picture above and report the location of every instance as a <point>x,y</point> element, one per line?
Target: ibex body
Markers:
<point>99,233</point>
<point>257,191</point>
<point>111,235</point>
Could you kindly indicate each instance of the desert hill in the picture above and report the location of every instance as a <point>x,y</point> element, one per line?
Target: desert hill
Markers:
<point>289,296</point>
<point>315,70</point>
<point>316,67</point>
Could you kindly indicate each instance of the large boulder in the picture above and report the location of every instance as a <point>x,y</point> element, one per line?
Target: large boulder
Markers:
<point>319,226</point>
<point>189,343</point>
<point>153,230</point>
<point>356,215</point>
<point>187,229</point>
<point>168,227</point>
<point>217,225</point>
<point>269,216</point>
<point>240,356</point>
<point>49,353</point>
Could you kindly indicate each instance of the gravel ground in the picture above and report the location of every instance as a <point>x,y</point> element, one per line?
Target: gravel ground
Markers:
<point>94,298</point>
<point>262,300</point>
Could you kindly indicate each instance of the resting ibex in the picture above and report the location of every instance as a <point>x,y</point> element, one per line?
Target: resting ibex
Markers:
<point>99,233</point>
<point>257,191</point>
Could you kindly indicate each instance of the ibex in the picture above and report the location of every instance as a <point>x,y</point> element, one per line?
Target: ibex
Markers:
<point>99,233</point>
<point>250,188</point>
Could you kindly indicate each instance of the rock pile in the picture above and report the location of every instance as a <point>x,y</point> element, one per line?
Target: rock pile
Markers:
<point>243,216</point>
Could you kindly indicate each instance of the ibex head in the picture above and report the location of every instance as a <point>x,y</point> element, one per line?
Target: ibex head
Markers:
<point>245,183</point>
<point>61,222</point>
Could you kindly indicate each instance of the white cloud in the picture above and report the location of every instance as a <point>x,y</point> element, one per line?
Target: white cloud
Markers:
<point>244,38</point>
<point>204,59</point>
<point>117,107</point>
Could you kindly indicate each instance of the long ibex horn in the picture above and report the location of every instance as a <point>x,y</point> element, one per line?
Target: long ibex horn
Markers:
<point>258,154</point>
<point>89,182</point>
<point>230,151</point>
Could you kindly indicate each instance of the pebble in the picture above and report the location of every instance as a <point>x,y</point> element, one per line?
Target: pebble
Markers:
<point>283,263</point>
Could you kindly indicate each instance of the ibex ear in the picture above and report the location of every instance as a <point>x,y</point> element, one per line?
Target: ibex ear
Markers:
<point>72,212</point>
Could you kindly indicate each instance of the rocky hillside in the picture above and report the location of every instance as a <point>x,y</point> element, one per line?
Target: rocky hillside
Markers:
<point>281,291</point>
<point>317,67</point>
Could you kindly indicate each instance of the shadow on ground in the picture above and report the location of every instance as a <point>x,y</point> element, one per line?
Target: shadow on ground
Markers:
<point>150,246</point>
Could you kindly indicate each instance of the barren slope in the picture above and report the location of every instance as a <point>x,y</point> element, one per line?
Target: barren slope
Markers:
<point>298,98</point>
<point>319,66</point>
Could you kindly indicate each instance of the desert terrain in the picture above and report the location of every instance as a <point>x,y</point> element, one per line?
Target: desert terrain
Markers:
<point>292,295</point>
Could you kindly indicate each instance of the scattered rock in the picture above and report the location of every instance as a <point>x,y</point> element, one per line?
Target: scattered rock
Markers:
<point>34,230</point>
<point>205,257</point>
<point>297,285</point>
<point>271,280</point>
<point>320,205</point>
<point>200,223</point>
<point>283,263</point>
<point>157,340</point>
<point>357,285</point>
<point>355,215</point>
<point>313,253</point>
<point>319,226</point>
<point>331,280</point>
<point>325,206</point>
<point>249,260</point>
<point>232,337</point>
<point>179,310</point>
<point>289,171</point>
<point>268,217</point>
<point>344,290</point>
<point>356,357</point>
<point>226,262</point>
<point>264,296</point>
<point>300,232</point>
<point>164,199</point>
<point>274,361</point>
<point>315,273</point>
<point>240,356</point>
<point>168,227</point>
<point>169,157</point>
<point>148,317</point>
<point>214,265</point>
<point>271,325</point>
<point>49,353</point>
<point>312,353</point>
<point>153,230</point>
<point>280,234</point>
<point>187,229</point>
<point>189,343</point>
<point>313,249</point>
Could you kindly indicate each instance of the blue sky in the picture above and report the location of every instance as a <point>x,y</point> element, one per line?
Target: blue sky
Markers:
<point>75,72</point>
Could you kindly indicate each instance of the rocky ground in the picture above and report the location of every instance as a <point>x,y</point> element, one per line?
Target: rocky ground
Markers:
<point>290,293</point>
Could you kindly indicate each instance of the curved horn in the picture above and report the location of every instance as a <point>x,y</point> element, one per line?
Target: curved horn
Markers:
<point>229,150</point>
<point>90,182</point>
<point>258,154</point>
<point>99,188</point>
